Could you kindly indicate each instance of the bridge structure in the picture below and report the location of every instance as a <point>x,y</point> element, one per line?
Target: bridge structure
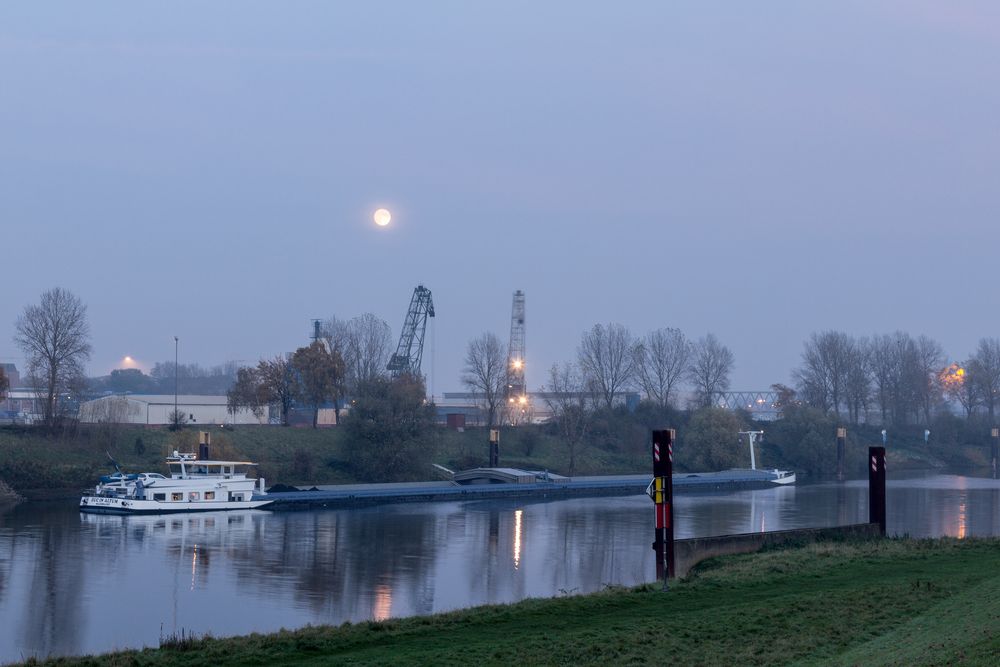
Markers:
<point>762,405</point>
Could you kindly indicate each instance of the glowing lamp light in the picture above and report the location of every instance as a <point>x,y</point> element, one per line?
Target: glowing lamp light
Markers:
<point>382,217</point>
<point>518,363</point>
<point>522,400</point>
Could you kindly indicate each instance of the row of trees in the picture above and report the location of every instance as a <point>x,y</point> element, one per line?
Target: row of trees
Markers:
<point>346,359</point>
<point>610,360</point>
<point>313,375</point>
<point>900,378</point>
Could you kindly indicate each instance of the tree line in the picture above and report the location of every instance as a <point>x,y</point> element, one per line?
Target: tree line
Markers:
<point>610,361</point>
<point>895,378</point>
<point>347,358</point>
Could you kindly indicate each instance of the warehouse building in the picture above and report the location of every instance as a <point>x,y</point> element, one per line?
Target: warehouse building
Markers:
<point>155,410</point>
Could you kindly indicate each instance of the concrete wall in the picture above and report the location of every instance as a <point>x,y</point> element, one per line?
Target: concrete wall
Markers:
<point>690,552</point>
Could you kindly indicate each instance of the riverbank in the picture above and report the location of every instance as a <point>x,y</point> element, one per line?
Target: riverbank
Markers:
<point>42,465</point>
<point>871,602</point>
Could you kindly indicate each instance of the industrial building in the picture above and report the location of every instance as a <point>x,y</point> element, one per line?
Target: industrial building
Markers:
<point>155,410</point>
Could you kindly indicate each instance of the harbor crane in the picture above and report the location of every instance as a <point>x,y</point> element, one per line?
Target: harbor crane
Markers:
<point>406,359</point>
<point>517,394</point>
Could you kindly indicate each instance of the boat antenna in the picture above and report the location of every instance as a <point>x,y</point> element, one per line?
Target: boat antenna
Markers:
<point>113,462</point>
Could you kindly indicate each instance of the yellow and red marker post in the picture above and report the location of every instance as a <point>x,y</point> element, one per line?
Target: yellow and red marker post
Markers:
<point>662,493</point>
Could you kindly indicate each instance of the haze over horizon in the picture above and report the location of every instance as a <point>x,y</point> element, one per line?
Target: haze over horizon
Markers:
<point>760,172</point>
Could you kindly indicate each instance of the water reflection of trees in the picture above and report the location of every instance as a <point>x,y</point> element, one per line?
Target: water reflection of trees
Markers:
<point>52,618</point>
<point>332,566</point>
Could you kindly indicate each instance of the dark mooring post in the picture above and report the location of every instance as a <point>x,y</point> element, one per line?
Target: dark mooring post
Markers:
<point>204,440</point>
<point>663,497</point>
<point>494,447</point>
<point>876,487</point>
<point>841,449</point>
<point>994,449</point>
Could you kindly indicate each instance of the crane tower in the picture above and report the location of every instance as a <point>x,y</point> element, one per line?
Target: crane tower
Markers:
<point>406,359</point>
<point>517,395</point>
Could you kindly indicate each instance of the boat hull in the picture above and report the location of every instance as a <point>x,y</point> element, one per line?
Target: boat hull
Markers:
<point>105,505</point>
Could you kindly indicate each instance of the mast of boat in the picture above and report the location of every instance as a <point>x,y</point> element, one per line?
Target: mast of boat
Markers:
<point>752,436</point>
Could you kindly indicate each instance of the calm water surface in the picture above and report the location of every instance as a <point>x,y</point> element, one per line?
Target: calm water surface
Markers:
<point>72,583</point>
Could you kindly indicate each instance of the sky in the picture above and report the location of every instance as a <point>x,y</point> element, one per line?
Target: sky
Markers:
<point>759,170</point>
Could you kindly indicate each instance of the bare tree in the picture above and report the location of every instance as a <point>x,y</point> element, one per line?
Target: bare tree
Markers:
<point>984,371</point>
<point>858,384</point>
<point>55,337</point>
<point>711,364</point>
<point>566,396</point>
<point>661,360</point>
<point>904,371</point>
<point>4,384</point>
<point>485,373</point>
<point>367,350</point>
<point>822,377</point>
<point>886,362</point>
<point>607,360</point>
<point>928,355</point>
<point>336,334</point>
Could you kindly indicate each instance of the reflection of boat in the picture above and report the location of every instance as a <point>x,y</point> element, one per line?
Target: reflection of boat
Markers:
<point>193,486</point>
<point>207,528</point>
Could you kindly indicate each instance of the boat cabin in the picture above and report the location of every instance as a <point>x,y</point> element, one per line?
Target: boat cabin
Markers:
<point>186,466</point>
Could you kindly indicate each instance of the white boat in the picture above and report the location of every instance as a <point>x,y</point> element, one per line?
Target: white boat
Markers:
<point>773,475</point>
<point>194,485</point>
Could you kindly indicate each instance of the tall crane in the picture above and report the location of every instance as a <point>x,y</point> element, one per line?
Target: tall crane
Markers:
<point>406,359</point>
<point>517,395</point>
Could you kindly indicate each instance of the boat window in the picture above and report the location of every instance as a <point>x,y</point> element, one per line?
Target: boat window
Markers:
<point>192,495</point>
<point>210,495</point>
<point>214,470</point>
<point>176,496</point>
<point>159,496</point>
<point>228,470</point>
<point>175,468</point>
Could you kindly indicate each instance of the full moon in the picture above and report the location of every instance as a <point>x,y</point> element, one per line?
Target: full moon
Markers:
<point>382,217</point>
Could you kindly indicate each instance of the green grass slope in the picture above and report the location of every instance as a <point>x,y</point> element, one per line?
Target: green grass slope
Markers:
<point>881,602</point>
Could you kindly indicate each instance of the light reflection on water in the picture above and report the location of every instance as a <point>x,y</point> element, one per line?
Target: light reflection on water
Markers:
<point>72,583</point>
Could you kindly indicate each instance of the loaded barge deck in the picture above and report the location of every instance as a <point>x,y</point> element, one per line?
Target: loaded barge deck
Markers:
<point>493,483</point>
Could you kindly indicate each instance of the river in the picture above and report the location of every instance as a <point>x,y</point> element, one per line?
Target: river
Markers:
<point>75,584</point>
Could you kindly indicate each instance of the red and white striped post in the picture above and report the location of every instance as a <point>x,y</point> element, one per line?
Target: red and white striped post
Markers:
<point>663,498</point>
<point>876,486</point>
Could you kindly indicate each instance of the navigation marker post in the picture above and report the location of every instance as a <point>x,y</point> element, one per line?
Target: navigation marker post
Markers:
<point>841,450</point>
<point>494,447</point>
<point>994,449</point>
<point>876,487</point>
<point>662,492</point>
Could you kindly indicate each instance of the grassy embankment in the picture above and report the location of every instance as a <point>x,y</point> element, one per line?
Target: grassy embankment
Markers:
<point>880,602</point>
<point>39,465</point>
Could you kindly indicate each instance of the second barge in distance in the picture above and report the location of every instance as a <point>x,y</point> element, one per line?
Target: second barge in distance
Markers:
<point>493,483</point>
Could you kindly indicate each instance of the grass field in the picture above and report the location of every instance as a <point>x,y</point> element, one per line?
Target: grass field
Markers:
<point>882,602</point>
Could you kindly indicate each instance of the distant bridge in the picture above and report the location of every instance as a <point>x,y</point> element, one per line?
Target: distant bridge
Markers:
<point>762,405</point>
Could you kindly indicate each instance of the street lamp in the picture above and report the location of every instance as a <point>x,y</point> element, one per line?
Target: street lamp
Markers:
<point>176,423</point>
